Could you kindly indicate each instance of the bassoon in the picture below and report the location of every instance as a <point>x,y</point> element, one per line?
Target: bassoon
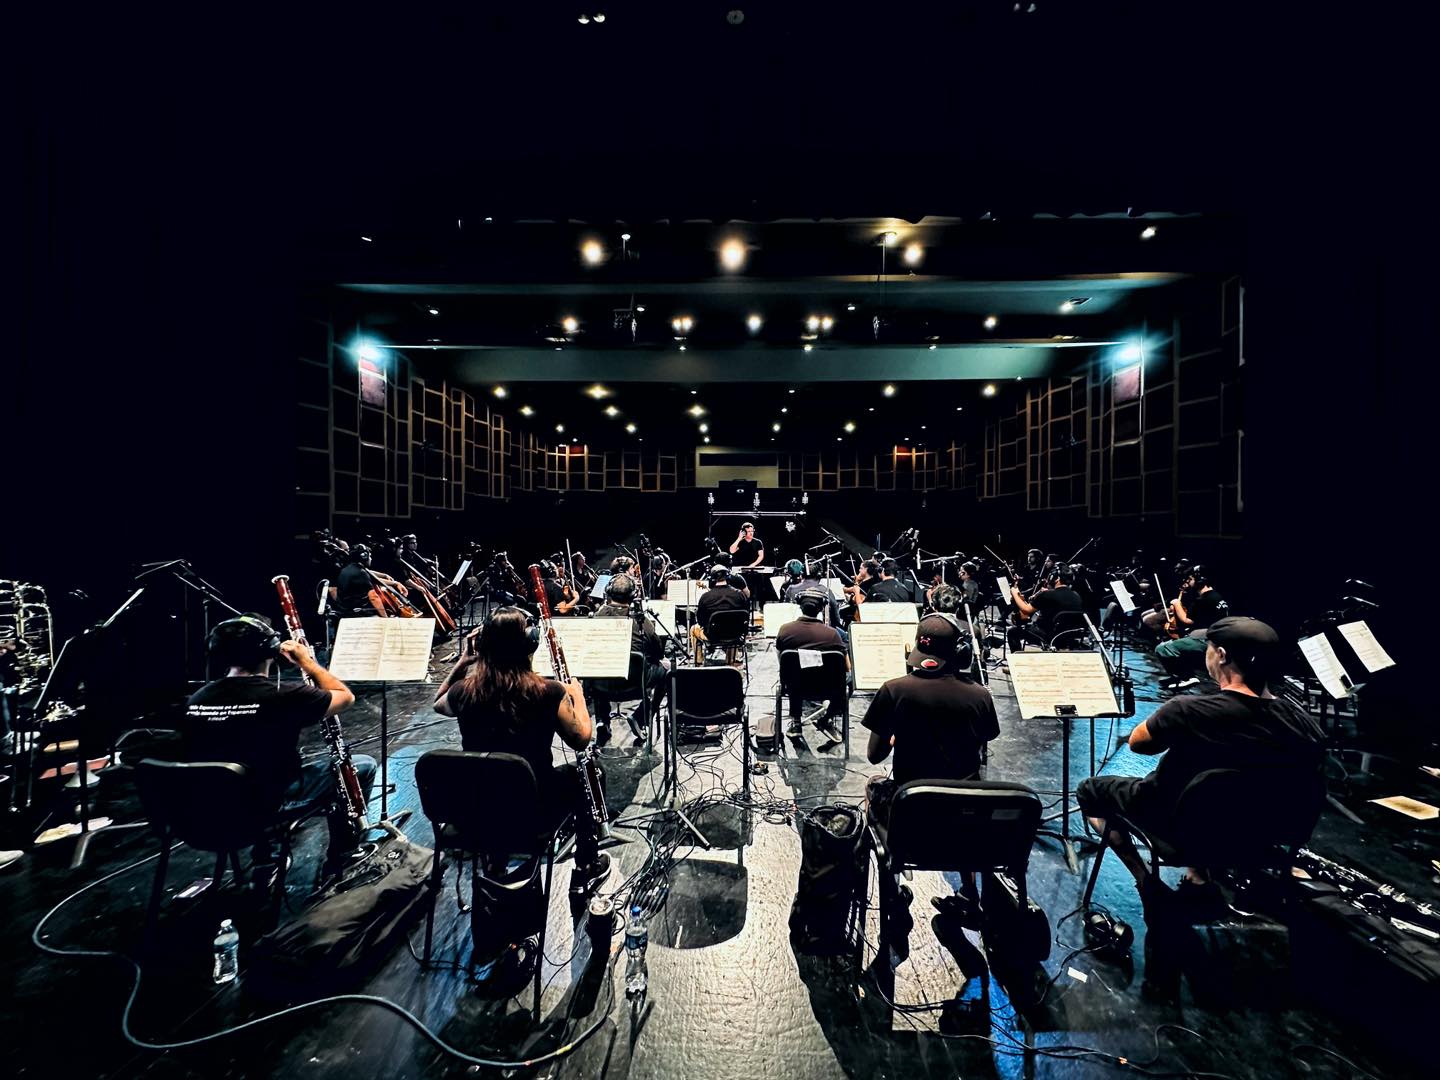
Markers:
<point>352,798</point>
<point>585,759</point>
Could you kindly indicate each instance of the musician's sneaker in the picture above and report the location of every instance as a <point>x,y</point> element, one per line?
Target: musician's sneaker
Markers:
<point>585,879</point>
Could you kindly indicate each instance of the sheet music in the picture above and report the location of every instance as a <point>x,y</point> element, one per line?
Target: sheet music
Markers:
<point>777,583</point>
<point>1122,594</point>
<point>777,614</point>
<point>460,574</point>
<point>881,612</point>
<point>1004,584</point>
<point>879,651</point>
<point>597,591</point>
<point>594,648</point>
<point>382,650</point>
<point>1362,640</point>
<point>836,589</point>
<point>1043,680</point>
<point>1320,655</point>
<point>683,593</point>
<point>663,612</point>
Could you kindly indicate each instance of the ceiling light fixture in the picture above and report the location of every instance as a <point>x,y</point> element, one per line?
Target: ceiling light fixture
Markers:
<point>754,322</point>
<point>849,307</point>
<point>732,254</point>
<point>433,311</point>
<point>1066,307</point>
<point>704,429</point>
<point>913,254</point>
<point>933,347</point>
<point>989,390</point>
<point>560,428</point>
<point>870,409</point>
<point>368,352</point>
<point>705,439</point>
<point>611,410</point>
<point>791,390</point>
<point>599,17</point>
<point>784,408</point>
<point>368,239</point>
<point>812,323</point>
<point>889,390</point>
<point>570,323</point>
<point>849,425</point>
<point>809,347</point>
<point>826,322</point>
<point>1147,233</point>
<point>630,428</point>
<point>625,236</point>
<point>639,309</point>
<point>888,239</point>
<point>697,410</point>
<point>526,410</point>
<point>584,20</point>
<point>592,252</point>
<point>775,426</point>
<point>598,391</point>
<point>500,391</point>
<point>991,322</point>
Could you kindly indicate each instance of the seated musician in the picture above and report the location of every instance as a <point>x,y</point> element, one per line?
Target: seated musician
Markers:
<point>1038,616</point>
<point>797,581</point>
<point>503,706</point>
<point>721,596</point>
<point>563,599</point>
<point>619,603</point>
<point>810,632</point>
<point>889,588</point>
<point>970,584</point>
<point>748,549</point>
<point>356,590</point>
<point>860,588</point>
<point>1241,726</point>
<point>936,718</point>
<point>1198,606</point>
<point>244,717</point>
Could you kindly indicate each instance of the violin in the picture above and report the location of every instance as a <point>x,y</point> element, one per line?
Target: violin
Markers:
<point>1172,624</point>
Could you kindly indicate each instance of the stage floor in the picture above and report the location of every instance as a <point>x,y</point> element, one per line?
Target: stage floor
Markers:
<point>729,998</point>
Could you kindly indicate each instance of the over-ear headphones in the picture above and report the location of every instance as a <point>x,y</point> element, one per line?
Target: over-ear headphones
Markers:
<point>620,588</point>
<point>532,628</point>
<point>251,636</point>
<point>964,648</point>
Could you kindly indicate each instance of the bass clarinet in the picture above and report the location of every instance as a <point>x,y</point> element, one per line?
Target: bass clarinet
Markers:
<point>352,798</point>
<point>585,759</point>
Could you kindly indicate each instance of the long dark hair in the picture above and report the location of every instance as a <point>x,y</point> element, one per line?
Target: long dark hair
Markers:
<point>501,677</point>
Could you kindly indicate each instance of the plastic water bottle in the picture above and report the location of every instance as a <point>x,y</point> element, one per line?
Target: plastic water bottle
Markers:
<point>637,937</point>
<point>227,953</point>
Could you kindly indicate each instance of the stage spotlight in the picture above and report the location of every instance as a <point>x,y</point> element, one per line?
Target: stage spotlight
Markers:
<point>849,307</point>
<point>500,392</point>
<point>1066,307</point>
<point>991,322</point>
<point>1132,353</point>
<point>913,254</point>
<point>754,322</point>
<point>889,390</point>
<point>611,410</point>
<point>784,408</point>
<point>526,410</point>
<point>989,390</point>
<point>809,347</point>
<point>367,351</point>
<point>630,428</point>
<point>592,252</point>
<point>599,17</point>
<point>570,323</point>
<point>849,425</point>
<point>1147,233</point>
<point>560,428</point>
<point>888,239</point>
<point>697,410</point>
<point>812,323</point>
<point>433,311</point>
<point>732,254</point>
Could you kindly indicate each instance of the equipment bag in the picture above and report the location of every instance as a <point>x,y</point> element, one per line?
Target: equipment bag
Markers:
<point>350,927</point>
<point>832,879</point>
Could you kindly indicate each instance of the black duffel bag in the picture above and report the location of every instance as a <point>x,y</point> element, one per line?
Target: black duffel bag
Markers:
<point>347,929</point>
<point>832,869</point>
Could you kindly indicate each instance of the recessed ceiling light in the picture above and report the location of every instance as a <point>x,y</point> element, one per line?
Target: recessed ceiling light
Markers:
<point>732,254</point>
<point>559,348</point>
<point>625,236</point>
<point>889,390</point>
<point>706,439</point>
<point>775,427</point>
<point>933,347</point>
<point>368,239</point>
<point>704,429</point>
<point>526,410</point>
<point>696,410</point>
<point>991,322</point>
<point>784,408</point>
<point>1066,307</point>
<point>500,391</point>
<point>754,322</point>
<point>989,390</point>
<point>809,347</point>
<point>611,410</point>
<point>560,428</point>
<point>640,309</point>
<point>812,323</point>
<point>630,428</point>
<point>849,425</point>
<point>907,438</point>
<point>959,408</point>
<point>599,17</point>
<point>849,307</point>
<point>598,391</point>
<point>870,409</point>
<point>913,254</point>
<point>826,322</point>
<point>574,440</point>
<point>791,390</point>
<point>433,311</point>
<point>922,427</point>
<point>592,252</point>
<point>570,323</point>
<point>1147,233</point>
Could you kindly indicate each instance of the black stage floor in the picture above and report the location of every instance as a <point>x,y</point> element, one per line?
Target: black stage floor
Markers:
<point>729,997</point>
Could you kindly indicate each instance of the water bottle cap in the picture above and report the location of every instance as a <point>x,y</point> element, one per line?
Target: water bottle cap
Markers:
<point>636,909</point>
<point>225,924</point>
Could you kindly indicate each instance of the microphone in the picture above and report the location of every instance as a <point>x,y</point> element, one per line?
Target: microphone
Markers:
<point>1359,584</point>
<point>1360,600</point>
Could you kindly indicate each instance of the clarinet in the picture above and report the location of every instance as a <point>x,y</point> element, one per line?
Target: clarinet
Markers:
<point>585,759</point>
<point>351,797</point>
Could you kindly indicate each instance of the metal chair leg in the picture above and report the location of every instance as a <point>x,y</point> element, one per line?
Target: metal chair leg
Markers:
<point>544,925</point>
<point>437,875</point>
<point>1095,871</point>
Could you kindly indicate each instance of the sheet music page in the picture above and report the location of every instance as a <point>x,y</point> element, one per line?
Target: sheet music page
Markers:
<point>879,651</point>
<point>597,591</point>
<point>777,582</point>
<point>1122,594</point>
<point>356,654</point>
<point>874,612</point>
<point>540,661</point>
<point>1367,648</point>
<point>684,593</point>
<point>777,614</point>
<point>405,655</point>
<point>1320,655</point>
<point>1044,680</point>
<point>664,615</point>
<point>1004,584</point>
<point>836,589</point>
<point>460,574</point>
<point>594,648</point>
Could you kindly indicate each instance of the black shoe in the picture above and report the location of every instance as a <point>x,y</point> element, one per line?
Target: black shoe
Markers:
<point>826,726</point>
<point>1156,898</point>
<point>602,733</point>
<point>587,878</point>
<point>963,909</point>
<point>793,728</point>
<point>635,726</point>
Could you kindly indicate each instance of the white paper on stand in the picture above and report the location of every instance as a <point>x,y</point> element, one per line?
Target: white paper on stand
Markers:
<point>593,648</point>
<point>1004,584</point>
<point>663,612</point>
<point>1122,594</point>
<point>382,650</point>
<point>1320,655</point>
<point>777,615</point>
<point>882,612</point>
<point>778,584</point>
<point>1362,640</point>
<point>811,658</point>
<point>879,651</point>
<point>460,574</point>
<point>836,589</point>
<point>1043,680</point>
<point>682,593</point>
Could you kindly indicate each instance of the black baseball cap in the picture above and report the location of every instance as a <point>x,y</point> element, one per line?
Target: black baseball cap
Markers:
<point>1250,642</point>
<point>937,641</point>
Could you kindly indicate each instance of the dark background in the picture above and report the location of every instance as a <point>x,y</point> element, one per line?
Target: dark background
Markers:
<point>171,163</point>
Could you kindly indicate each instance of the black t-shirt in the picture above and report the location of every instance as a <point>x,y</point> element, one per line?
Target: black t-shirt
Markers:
<point>643,636</point>
<point>1051,602</point>
<point>529,733</point>
<point>940,723</point>
<point>808,634</point>
<point>247,719</point>
<point>1205,609</point>
<point>1228,730</point>
<point>555,594</point>
<point>720,598</point>
<point>888,589</point>
<point>970,591</point>
<point>353,587</point>
<point>747,552</point>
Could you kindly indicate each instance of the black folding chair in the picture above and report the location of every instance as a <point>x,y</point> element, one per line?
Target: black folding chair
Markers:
<point>963,826</point>
<point>728,630</point>
<point>487,806</point>
<point>1248,820</point>
<point>827,682</point>
<point>211,806</point>
<point>1069,631</point>
<point>707,696</point>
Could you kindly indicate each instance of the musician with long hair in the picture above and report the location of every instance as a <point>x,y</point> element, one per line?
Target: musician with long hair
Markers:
<point>503,706</point>
<point>246,718</point>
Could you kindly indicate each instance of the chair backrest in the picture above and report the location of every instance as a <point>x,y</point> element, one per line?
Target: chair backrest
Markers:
<point>1067,630</point>
<point>490,800</point>
<point>712,695</point>
<point>962,825</point>
<point>633,685</point>
<point>728,625</point>
<point>825,681</point>
<point>1233,818</point>
<point>211,805</point>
